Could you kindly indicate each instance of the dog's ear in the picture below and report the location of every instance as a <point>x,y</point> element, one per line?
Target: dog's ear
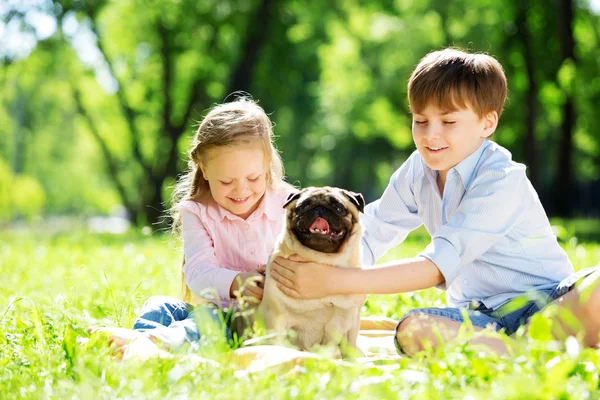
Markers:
<point>356,198</point>
<point>295,195</point>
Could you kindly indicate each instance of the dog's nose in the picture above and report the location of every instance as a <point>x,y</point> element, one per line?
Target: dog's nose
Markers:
<point>320,210</point>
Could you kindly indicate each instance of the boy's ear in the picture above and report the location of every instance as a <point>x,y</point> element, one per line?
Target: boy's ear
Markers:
<point>491,123</point>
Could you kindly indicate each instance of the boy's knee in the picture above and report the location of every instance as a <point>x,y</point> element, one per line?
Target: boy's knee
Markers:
<point>590,292</point>
<point>407,336</point>
<point>593,302</point>
<point>591,314</point>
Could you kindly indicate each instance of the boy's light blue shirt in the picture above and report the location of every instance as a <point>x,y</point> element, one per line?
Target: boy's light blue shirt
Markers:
<point>491,238</point>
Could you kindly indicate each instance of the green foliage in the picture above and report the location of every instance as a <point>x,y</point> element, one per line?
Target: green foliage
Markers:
<point>20,195</point>
<point>54,287</point>
<point>5,191</point>
<point>333,77</point>
<point>28,196</point>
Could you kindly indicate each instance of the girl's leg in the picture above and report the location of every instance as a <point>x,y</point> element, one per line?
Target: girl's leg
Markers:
<point>161,311</point>
<point>171,324</point>
<point>205,320</point>
<point>158,312</point>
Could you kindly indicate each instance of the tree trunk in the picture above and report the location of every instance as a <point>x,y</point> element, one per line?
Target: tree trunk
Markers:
<point>156,214</point>
<point>530,96</point>
<point>564,178</point>
<point>18,112</point>
<point>149,208</point>
<point>154,211</point>
<point>257,32</point>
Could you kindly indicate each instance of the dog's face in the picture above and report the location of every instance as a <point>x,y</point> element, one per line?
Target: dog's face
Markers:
<point>323,218</point>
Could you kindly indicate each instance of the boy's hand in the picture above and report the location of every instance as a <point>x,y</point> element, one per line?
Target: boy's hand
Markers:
<point>302,279</point>
<point>248,284</point>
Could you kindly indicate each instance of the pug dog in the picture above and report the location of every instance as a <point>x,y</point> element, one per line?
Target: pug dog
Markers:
<point>322,226</point>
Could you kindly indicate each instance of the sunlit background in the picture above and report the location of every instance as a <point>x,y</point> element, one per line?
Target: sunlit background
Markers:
<point>99,99</point>
<point>98,102</point>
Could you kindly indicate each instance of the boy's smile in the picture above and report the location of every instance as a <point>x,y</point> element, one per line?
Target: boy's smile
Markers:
<point>436,149</point>
<point>446,137</point>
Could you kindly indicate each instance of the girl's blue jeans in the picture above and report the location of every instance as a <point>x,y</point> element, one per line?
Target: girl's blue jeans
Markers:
<point>177,324</point>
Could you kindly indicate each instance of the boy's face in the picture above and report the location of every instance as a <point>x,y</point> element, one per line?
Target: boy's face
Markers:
<point>446,137</point>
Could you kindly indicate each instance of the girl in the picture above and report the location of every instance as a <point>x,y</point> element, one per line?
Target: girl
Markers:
<point>229,209</point>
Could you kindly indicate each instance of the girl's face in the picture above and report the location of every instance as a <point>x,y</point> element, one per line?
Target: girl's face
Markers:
<point>237,176</point>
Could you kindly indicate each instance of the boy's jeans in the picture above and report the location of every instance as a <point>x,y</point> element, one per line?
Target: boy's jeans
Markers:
<point>176,323</point>
<point>505,317</point>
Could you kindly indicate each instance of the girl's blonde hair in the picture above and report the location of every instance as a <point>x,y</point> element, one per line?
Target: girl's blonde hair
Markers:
<point>242,121</point>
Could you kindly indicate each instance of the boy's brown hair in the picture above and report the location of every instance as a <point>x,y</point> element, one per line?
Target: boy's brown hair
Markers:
<point>453,79</point>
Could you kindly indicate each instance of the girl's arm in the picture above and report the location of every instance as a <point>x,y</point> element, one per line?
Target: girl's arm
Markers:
<point>309,280</point>
<point>201,270</point>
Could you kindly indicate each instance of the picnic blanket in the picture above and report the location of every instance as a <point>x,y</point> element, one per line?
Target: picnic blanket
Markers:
<point>375,341</point>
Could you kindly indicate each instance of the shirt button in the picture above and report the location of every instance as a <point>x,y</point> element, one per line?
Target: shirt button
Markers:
<point>252,251</point>
<point>466,281</point>
<point>246,227</point>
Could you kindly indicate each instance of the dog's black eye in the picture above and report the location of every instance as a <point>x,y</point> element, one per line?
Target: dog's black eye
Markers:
<point>338,207</point>
<point>301,207</point>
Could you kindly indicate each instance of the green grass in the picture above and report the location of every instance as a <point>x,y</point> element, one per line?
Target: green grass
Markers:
<point>53,287</point>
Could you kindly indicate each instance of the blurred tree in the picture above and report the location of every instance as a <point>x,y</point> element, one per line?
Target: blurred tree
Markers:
<point>563,184</point>
<point>38,140</point>
<point>524,37</point>
<point>189,60</point>
<point>101,110</point>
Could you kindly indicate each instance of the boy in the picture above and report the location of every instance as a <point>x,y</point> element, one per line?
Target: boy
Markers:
<point>491,239</point>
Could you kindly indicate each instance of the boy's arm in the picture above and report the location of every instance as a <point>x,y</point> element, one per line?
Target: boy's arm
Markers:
<point>490,209</point>
<point>397,276</point>
<point>312,280</point>
<point>390,219</point>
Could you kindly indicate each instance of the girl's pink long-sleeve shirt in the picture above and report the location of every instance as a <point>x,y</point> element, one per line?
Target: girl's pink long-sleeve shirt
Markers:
<point>218,245</point>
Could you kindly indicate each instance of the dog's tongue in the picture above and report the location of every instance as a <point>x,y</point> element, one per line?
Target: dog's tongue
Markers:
<point>320,224</point>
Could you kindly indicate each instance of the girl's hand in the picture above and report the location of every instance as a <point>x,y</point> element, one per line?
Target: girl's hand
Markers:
<point>302,279</point>
<point>248,285</point>
<point>262,269</point>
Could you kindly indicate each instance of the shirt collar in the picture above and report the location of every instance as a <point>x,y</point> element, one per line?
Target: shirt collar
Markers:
<point>466,167</point>
<point>430,173</point>
<point>267,207</point>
